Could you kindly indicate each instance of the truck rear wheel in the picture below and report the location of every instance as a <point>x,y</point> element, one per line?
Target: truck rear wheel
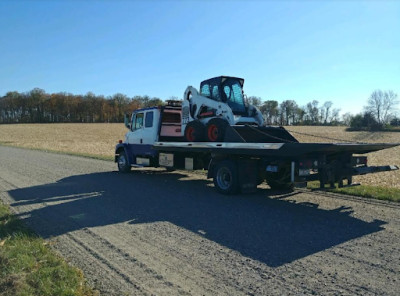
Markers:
<point>215,131</point>
<point>226,177</point>
<point>194,131</point>
<point>123,163</point>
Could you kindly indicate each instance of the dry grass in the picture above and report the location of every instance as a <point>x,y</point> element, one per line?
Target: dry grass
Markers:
<point>94,139</point>
<point>100,140</point>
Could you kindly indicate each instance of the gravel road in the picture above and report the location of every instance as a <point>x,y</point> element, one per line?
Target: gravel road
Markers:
<point>153,232</point>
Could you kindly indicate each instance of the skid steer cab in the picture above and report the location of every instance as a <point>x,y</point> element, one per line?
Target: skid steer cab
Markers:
<point>206,114</point>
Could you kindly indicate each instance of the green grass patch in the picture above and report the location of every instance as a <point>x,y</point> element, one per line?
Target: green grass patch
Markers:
<point>367,191</point>
<point>367,129</point>
<point>393,128</point>
<point>29,267</point>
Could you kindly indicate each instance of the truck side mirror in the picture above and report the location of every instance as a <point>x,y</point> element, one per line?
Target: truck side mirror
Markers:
<point>127,121</point>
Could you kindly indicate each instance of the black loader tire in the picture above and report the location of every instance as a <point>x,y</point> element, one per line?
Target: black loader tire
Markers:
<point>194,131</point>
<point>215,130</point>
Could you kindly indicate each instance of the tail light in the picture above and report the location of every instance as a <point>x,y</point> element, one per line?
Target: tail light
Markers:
<point>359,160</point>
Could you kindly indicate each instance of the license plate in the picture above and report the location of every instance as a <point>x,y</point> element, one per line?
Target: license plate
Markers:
<point>165,159</point>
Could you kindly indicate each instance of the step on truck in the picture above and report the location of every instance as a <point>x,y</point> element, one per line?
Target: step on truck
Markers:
<point>247,156</point>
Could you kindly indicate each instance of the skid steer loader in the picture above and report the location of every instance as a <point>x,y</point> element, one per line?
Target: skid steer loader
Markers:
<point>220,104</point>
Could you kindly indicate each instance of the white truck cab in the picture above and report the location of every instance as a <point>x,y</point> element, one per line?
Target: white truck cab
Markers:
<point>146,127</point>
<point>142,127</point>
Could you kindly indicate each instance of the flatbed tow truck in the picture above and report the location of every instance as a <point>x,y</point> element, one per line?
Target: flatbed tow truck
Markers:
<point>246,157</point>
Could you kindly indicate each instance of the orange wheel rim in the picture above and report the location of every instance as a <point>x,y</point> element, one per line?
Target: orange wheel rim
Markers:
<point>212,132</point>
<point>190,134</point>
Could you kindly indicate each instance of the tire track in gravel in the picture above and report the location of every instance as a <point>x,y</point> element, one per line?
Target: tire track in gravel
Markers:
<point>73,243</point>
<point>89,244</point>
<point>86,244</point>
<point>171,256</point>
<point>127,264</point>
<point>148,251</point>
<point>83,245</point>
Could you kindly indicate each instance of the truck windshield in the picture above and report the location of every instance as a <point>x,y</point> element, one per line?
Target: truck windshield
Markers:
<point>234,96</point>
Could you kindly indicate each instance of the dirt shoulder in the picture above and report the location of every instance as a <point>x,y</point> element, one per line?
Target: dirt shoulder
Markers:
<point>153,232</point>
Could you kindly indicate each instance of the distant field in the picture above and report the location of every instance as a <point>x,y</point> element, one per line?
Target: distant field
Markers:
<point>100,140</point>
<point>94,139</point>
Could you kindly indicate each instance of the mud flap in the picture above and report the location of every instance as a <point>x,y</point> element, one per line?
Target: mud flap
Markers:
<point>248,175</point>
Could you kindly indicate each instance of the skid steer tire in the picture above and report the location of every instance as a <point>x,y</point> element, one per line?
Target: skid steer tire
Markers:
<point>215,130</point>
<point>194,131</point>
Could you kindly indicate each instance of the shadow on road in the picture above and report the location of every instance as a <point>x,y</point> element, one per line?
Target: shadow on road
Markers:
<point>264,227</point>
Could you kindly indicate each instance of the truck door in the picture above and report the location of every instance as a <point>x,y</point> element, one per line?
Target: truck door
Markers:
<point>144,128</point>
<point>150,128</point>
<point>135,135</point>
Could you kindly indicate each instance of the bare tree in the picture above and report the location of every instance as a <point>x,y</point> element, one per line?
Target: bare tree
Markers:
<point>312,111</point>
<point>346,118</point>
<point>334,119</point>
<point>270,111</point>
<point>327,110</point>
<point>382,105</point>
<point>288,109</point>
<point>255,101</point>
<point>299,115</point>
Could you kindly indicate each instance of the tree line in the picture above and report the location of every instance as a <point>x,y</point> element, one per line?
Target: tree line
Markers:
<point>289,112</point>
<point>37,106</point>
<point>379,113</point>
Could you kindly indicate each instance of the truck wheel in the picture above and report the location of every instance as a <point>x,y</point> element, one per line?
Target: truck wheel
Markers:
<point>194,131</point>
<point>123,163</point>
<point>226,177</point>
<point>215,131</point>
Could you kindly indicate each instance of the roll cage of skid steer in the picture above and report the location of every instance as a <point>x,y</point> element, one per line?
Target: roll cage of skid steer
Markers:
<point>219,103</point>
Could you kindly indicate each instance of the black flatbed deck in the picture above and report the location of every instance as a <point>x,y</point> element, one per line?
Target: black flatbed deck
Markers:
<point>286,150</point>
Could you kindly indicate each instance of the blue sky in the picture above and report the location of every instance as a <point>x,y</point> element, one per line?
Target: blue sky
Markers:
<point>301,50</point>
